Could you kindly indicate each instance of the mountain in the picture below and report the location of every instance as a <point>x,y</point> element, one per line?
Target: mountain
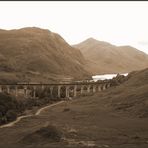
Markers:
<point>39,55</point>
<point>103,57</point>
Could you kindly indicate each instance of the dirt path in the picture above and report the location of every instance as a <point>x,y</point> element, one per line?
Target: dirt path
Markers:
<point>25,116</point>
<point>41,109</point>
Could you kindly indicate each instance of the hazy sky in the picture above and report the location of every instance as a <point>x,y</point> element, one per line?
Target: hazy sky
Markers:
<point>120,23</point>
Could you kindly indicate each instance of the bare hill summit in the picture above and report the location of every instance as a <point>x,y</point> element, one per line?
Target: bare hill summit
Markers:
<point>103,57</point>
<point>34,54</point>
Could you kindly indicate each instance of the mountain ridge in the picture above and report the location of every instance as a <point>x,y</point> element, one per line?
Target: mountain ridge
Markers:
<point>41,51</point>
<point>103,57</point>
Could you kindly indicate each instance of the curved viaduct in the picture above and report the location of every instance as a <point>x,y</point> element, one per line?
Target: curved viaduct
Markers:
<point>61,90</point>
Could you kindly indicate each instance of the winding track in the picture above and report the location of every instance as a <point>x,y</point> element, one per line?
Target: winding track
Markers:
<point>25,116</point>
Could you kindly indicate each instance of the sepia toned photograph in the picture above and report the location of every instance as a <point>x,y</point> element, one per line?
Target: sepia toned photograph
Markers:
<point>73,74</point>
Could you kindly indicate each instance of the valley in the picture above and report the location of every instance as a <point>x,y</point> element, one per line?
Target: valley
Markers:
<point>48,97</point>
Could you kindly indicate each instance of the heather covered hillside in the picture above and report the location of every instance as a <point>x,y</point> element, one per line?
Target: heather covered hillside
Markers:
<point>34,54</point>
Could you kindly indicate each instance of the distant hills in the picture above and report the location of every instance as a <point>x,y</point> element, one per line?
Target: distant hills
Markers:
<point>38,55</point>
<point>103,57</point>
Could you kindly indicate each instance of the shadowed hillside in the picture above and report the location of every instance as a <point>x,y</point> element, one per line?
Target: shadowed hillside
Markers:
<point>34,54</point>
<point>104,57</point>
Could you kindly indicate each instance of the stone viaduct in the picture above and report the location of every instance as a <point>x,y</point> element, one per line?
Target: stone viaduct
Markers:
<point>61,90</point>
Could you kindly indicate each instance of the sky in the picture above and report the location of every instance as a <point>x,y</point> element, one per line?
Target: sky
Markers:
<point>120,23</point>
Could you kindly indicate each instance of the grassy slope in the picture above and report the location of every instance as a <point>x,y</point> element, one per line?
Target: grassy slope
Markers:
<point>39,55</point>
<point>104,57</point>
<point>94,120</point>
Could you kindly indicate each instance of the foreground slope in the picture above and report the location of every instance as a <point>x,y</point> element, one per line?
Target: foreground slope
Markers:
<point>131,96</point>
<point>109,119</point>
<point>34,54</point>
<point>104,57</point>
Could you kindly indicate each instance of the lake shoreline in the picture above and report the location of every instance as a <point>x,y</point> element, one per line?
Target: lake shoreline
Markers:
<point>106,76</point>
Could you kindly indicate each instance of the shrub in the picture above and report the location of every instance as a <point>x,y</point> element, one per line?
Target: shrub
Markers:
<point>45,134</point>
<point>8,108</point>
<point>50,132</point>
<point>11,115</point>
<point>2,110</point>
<point>66,109</point>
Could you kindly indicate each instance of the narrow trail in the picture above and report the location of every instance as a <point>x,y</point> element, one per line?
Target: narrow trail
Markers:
<point>25,116</point>
<point>41,109</point>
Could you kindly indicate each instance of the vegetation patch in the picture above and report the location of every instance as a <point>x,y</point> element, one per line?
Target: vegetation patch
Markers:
<point>49,133</point>
<point>66,109</point>
<point>9,108</point>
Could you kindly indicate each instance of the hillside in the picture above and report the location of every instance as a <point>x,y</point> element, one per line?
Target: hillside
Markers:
<point>131,96</point>
<point>114,118</point>
<point>103,57</point>
<point>38,55</point>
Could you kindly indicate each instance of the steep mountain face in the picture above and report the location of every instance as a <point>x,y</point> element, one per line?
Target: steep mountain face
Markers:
<point>36,54</point>
<point>104,57</point>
